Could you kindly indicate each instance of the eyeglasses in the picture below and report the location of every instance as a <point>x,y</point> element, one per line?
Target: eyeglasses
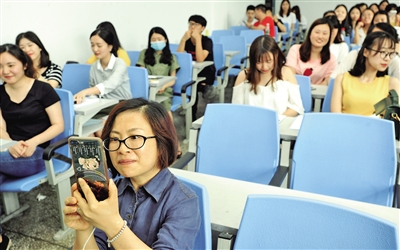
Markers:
<point>193,24</point>
<point>132,142</point>
<point>384,54</point>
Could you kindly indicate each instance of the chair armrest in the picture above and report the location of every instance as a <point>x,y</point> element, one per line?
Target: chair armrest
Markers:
<point>243,59</point>
<point>49,150</point>
<point>219,72</point>
<point>186,85</point>
<point>183,161</point>
<point>279,176</point>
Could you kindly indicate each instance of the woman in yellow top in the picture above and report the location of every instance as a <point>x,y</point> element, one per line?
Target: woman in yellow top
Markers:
<point>120,51</point>
<point>356,91</point>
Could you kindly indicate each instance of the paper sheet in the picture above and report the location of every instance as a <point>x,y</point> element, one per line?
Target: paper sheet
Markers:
<point>297,122</point>
<point>281,117</point>
<point>86,102</point>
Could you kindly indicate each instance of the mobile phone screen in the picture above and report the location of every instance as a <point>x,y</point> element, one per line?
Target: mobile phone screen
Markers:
<point>89,163</point>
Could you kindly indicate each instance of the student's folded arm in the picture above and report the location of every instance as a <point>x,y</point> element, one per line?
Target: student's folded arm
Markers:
<point>337,93</point>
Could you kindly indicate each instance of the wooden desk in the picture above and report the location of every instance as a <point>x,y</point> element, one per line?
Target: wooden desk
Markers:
<point>155,86</point>
<point>318,92</point>
<point>85,111</point>
<point>228,198</point>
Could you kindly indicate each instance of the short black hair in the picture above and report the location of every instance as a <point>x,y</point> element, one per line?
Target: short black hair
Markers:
<point>381,12</point>
<point>250,7</point>
<point>198,19</point>
<point>262,7</point>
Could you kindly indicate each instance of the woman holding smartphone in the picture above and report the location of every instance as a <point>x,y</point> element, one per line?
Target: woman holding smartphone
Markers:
<point>149,208</point>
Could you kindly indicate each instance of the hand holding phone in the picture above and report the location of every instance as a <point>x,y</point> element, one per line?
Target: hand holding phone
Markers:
<point>89,162</point>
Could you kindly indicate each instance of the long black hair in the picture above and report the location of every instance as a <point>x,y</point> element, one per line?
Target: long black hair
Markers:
<point>109,26</point>
<point>345,23</point>
<point>166,56</point>
<point>334,22</point>
<point>281,10</point>
<point>44,55</point>
<point>373,38</point>
<point>305,48</point>
<point>296,10</point>
<point>107,36</point>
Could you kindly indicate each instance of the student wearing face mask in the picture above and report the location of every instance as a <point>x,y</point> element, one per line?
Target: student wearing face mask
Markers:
<point>159,61</point>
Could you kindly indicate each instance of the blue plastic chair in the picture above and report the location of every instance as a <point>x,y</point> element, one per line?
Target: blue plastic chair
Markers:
<point>185,88</point>
<point>139,82</point>
<point>173,47</point>
<point>222,71</point>
<point>284,222</point>
<point>237,29</point>
<point>347,40</point>
<point>251,35</point>
<point>57,173</point>
<point>217,34</point>
<point>346,156</point>
<point>134,56</point>
<point>235,43</point>
<point>326,105</point>
<point>233,151</point>
<point>75,77</point>
<point>203,239</point>
<point>305,92</point>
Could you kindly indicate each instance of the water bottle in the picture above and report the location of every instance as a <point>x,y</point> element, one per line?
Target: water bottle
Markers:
<point>267,29</point>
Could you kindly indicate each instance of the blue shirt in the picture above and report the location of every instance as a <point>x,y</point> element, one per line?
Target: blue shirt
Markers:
<point>164,213</point>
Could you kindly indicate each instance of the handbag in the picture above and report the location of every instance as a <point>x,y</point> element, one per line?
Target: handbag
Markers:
<point>389,109</point>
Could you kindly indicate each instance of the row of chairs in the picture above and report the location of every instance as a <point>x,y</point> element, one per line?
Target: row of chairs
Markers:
<point>328,157</point>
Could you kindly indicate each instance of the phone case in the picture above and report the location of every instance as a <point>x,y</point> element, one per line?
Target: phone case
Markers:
<point>89,162</point>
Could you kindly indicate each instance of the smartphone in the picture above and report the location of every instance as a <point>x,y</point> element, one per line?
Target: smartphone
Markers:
<point>89,162</point>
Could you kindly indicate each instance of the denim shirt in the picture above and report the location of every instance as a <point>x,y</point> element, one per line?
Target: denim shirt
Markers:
<point>164,213</point>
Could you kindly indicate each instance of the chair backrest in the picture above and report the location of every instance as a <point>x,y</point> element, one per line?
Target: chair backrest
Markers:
<point>276,33</point>
<point>239,141</point>
<point>347,40</point>
<point>284,222</point>
<point>217,34</point>
<point>219,57</point>
<point>235,43</point>
<point>184,74</point>
<point>139,81</point>
<point>305,91</point>
<point>173,47</point>
<point>134,56</point>
<point>67,106</point>
<point>237,29</point>
<point>326,105</point>
<point>347,156</point>
<point>251,35</point>
<point>75,77</point>
<point>203,239</point>
<point>354,47</point>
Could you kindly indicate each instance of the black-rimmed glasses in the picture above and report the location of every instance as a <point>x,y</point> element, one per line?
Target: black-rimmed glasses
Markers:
<point>384,54</point>
<point>132,142</point>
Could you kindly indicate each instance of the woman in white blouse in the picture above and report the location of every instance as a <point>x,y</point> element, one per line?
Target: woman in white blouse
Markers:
<point>337,47</point>
<point>268,82</point>
<point>286,15</point>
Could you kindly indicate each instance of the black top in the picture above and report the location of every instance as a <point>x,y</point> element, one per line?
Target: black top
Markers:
<point>209,71</point>
<point>28,118</point>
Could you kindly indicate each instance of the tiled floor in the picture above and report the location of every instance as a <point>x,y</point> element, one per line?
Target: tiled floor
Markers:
<point>34,229</point>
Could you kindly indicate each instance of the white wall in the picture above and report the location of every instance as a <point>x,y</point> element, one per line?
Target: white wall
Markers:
<point>65,27</point>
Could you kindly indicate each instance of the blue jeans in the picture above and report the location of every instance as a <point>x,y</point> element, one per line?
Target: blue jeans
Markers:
<point>20,167</point>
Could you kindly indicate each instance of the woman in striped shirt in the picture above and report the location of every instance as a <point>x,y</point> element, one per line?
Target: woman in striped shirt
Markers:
<point>47,71</point>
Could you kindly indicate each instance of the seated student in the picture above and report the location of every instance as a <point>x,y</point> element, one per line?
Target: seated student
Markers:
<point>337,47</point>
<point>349,61</point>
<point>268,82</point>
<point>354,17</point>
<point>362,27</point>
<point>147,208</point>
<point>263,20</point>
<point>300,18</point>
<point>121,53</point>
<point>357,91</point>
<point>277,22</point>
<point>313,57</point>
<point>374,7</point>
<point>383,4</point>
<point>286,14</point>
<point>108,75</point>
<point>362,6</point>
<point>380,17</point>
<point>30,113</point>
<point>249,16</point>
<point>201,49</point>
<point>341,14</point>
<point>47,71</point>
<point>159,61</point>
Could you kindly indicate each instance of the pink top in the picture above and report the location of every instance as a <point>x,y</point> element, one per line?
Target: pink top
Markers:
<point>319,71</point>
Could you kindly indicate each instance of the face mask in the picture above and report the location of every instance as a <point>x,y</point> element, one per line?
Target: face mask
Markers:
<point>158,45</point>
